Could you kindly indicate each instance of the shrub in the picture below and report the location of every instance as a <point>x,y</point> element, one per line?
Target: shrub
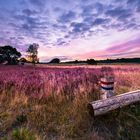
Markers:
<point>23,134</point>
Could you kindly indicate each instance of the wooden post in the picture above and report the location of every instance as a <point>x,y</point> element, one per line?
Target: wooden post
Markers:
<point>107,83</point>
<point>107,87</point>
<point>101,107</point>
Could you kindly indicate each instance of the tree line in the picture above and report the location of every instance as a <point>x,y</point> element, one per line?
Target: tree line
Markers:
<point>107,61</point>
<point>12,56</point>
<point>120,60</point>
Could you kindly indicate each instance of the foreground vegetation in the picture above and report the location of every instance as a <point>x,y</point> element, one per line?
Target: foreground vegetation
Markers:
<point>51,104</point>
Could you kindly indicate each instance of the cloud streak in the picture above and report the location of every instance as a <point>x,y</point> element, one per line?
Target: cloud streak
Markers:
<point>127,49</point>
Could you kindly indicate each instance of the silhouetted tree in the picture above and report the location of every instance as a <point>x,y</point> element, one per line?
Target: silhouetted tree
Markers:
<point>76,61</point>
<point>91,62</point>
<point>55,60</point>
<point>9,54</point>
<point>1,59</point>
<point>23,60</point>
<point>33,52</point>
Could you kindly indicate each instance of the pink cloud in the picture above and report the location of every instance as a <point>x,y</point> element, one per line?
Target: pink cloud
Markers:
<point>127,49</point>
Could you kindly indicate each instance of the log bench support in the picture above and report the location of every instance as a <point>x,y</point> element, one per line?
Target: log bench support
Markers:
<point>101,107</point>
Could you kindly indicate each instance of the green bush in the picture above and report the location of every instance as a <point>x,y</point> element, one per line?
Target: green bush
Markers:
<point>23,134</point>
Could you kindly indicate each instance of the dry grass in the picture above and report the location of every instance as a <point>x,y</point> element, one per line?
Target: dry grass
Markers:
<point>65,116</point>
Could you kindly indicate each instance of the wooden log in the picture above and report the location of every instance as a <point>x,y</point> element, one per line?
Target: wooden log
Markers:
<point>101,107</point>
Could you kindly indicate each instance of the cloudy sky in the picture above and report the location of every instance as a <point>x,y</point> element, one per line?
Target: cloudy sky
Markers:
<point>72,29</point>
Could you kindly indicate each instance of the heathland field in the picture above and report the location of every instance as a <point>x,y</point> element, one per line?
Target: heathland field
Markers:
<point>50,103</point>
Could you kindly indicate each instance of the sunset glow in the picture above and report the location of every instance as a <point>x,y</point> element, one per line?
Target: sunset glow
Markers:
<point>70,30</point>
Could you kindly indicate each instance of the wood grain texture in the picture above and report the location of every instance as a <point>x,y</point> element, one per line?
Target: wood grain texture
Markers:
<point>103,106</point>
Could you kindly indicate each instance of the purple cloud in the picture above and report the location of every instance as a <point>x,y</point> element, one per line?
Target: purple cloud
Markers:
<point>125,47</point>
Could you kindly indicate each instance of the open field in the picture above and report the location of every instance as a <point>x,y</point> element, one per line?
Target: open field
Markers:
<point>83,65</point>
<point>50,103</point>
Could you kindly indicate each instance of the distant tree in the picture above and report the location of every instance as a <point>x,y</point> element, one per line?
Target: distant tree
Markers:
<point>23,60</point>
<point>91,62</point>
<point>9,54</point>
<point>33,52</point>
<point>1,59</point>
<point>76,61</point>
<point>55,60</point>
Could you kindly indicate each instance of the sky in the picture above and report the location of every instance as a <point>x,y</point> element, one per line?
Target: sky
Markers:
<point>72,29</point>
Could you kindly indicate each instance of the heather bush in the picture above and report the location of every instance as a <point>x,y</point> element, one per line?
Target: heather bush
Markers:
<point>51,103</point>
